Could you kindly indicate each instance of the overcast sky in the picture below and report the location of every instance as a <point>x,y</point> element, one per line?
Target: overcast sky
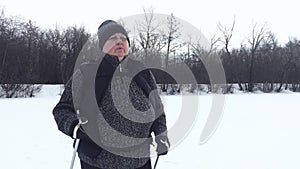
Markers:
<point>282,17</point>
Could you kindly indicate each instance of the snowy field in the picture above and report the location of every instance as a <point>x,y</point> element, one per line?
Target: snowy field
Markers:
<point>257,131</point>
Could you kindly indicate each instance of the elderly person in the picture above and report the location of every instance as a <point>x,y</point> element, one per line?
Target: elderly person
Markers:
<point>117,132</point>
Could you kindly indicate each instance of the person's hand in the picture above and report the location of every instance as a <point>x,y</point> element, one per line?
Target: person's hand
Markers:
<point>78,131</point>
<point>81,134</point>
<point>163,145</point>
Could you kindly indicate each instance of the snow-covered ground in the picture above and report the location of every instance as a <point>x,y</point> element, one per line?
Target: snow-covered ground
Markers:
<point>257,131</point>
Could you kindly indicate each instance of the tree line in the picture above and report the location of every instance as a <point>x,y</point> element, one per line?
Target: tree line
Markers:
<point>31,55</point>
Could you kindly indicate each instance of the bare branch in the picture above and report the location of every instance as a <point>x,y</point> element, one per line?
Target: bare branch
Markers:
<point>226,34</point>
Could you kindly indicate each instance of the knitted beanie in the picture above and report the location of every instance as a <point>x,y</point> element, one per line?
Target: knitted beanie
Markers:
<point>107,29</point>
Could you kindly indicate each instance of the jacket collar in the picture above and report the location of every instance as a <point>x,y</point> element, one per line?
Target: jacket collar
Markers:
<point>114,60</point>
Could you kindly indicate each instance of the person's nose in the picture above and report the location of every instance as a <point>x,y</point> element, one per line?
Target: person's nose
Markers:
<point>119,41</point>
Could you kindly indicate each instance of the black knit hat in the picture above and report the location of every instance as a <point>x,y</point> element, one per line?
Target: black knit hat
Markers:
<point>108,28</point>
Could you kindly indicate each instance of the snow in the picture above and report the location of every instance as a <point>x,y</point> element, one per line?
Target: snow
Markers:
<point>257,131</point>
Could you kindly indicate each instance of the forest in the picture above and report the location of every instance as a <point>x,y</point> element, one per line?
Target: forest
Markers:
<point>31,55</point>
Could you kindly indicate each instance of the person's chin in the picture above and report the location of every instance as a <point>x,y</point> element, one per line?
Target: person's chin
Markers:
<point>120,55</point>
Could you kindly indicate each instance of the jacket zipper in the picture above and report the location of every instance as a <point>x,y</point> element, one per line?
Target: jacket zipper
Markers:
<point>120,67</point>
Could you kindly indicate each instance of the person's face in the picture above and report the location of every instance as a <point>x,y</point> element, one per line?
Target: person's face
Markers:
<point>116,45</point>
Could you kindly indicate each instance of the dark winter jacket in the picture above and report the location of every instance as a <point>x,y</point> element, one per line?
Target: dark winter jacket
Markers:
<point>135,117</point>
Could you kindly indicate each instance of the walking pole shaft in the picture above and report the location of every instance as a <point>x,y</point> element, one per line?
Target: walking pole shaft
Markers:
<point>156,161</point>
<point>74,153</point>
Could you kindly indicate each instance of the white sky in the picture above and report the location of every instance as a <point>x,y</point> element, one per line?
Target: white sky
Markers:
<point>281,16</point>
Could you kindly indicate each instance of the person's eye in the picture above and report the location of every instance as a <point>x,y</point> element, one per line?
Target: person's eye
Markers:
<point>123,38</point>
<point>114,38</point>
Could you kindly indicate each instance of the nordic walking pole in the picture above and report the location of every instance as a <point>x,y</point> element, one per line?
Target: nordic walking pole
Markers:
<point>156,162</point>
<point>77,140</point>
<point>74,153</point>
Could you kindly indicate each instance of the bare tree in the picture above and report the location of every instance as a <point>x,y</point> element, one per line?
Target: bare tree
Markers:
<point>173,33</point>
<point>226,35</point>
<point>10,47</point>
<point>257,36</point>
<point>202,57</point>
<point>291,69</point>
<point>51,49</point>
<point>31,35</point>
<point>150,38</point>
<point>270,62</point>
<point>225,39</point>
<point>74,39</point>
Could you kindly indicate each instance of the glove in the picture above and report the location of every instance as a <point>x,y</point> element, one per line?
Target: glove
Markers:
<point>163,145</point>
<point>82,135</point>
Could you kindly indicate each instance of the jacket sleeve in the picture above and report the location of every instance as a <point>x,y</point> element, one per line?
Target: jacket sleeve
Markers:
<point>159,126</point>
<point>64,112</point>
